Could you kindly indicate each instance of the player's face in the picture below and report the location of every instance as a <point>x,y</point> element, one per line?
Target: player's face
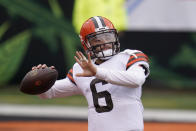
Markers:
<point>101,42</point>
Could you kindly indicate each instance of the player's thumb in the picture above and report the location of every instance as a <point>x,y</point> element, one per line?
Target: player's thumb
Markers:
<point>80,75</point>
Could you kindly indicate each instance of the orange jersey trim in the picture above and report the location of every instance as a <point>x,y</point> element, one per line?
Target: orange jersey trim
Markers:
<point>133,59</point>
<point>138,55</point>
<point>70,76</point>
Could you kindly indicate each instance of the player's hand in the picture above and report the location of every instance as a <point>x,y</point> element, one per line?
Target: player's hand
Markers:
<point>41,66</point>
<point>88,68</point>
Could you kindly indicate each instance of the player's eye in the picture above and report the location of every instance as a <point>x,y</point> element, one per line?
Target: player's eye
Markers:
<point>95,42</point>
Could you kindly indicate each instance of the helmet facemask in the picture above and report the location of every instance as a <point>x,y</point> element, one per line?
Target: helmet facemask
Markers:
<point>103,44</point>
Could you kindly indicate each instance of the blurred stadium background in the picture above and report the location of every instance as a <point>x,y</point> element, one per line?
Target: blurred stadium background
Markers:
<point>46,31</point>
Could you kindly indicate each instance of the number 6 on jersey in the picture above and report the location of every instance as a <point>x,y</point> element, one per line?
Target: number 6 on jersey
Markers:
<point>104,94</point>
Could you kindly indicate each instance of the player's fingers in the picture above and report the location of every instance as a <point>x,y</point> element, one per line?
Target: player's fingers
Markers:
<point>39,66</point>
<point>78,61</point>
<point>80,75</point>
<point>89,58</point>
<point>44,66</point>
<point>83,60</point>
<point>52,67</point>
<point>34,67</point>
<point>78,55</point>
<point>81,54</point>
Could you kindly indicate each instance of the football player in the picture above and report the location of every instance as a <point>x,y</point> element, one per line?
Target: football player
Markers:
<point>110,80</point>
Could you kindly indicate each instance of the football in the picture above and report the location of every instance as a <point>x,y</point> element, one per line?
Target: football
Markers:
<point>38,81</point>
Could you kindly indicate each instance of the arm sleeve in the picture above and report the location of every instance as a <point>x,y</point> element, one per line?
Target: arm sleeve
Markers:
<point>61,88</point>
<point>133,77</point>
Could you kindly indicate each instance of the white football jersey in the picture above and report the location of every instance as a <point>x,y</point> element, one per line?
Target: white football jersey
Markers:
<point>113,95</point>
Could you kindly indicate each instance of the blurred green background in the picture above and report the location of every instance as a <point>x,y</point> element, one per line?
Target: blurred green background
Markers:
<point>34,32</point>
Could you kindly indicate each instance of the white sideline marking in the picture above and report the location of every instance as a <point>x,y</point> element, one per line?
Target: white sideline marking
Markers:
<point>164,115</point>
<point>159,115</point>
<point>43,111</point>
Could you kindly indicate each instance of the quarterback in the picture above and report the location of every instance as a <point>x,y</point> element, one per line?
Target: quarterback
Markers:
<point>111,80</point>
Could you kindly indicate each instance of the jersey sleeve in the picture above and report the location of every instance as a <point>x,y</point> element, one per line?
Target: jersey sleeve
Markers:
<point>140,59</point>
<point>62,88</point>
<point>136,69</point>
<point>130,78</point>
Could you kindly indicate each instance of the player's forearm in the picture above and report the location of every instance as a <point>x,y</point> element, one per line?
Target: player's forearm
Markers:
<point>49,94</point>
<point>132,78</point>
<point>61,88</point>
<point>46,95</point>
